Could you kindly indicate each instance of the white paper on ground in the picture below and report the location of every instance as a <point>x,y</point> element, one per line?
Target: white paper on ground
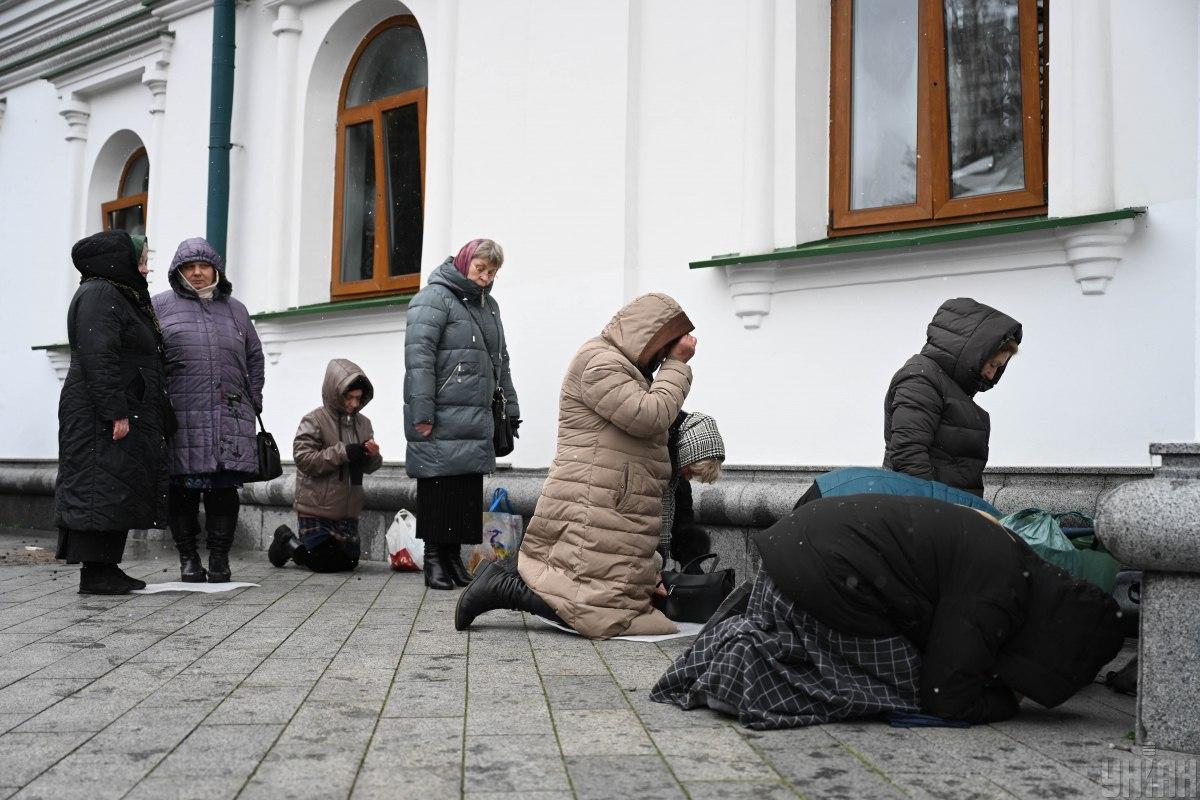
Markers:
<point>685,629</point>
<point>180,586</point>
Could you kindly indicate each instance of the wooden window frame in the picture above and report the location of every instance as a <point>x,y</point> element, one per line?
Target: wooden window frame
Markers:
<point>382,283</point>
<point>934,205</point>
<point>139,199</point>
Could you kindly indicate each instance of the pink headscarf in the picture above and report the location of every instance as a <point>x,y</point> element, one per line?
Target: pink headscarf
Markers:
<point>462,261</point>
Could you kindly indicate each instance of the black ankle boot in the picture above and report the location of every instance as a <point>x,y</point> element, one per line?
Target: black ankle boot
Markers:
<point>435,572</point>
<point>220,539</point>
<point>283,546</point>
<point>97,578</point>
<point>496,587</point>
<point>134,583</point>
<point>185,531</point>
<point>451,555</point>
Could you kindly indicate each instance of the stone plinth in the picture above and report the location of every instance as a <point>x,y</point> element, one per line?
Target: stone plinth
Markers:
<point>1151,525</point>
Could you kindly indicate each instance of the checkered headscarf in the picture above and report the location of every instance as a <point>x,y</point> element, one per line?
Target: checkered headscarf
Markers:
<point>699,439</point>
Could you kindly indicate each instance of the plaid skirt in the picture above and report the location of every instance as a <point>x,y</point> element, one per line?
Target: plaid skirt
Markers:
<point>778,667</point>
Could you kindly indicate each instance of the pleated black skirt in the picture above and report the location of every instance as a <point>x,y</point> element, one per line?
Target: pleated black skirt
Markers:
<point>450,509</point>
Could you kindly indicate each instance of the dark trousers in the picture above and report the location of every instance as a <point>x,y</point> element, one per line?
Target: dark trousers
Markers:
<point>325,557</point>
<point>185,502</point>
<point>100,547</point>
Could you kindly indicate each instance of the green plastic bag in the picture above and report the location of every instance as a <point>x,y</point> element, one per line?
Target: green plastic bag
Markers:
<point>1041,531</point>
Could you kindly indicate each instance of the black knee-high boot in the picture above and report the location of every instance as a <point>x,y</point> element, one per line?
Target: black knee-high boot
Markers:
<point>495,587</point>
<point>220,539</point>
<point>185,530</point>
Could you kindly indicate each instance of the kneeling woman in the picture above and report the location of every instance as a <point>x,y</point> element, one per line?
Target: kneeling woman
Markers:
<point>589,557</point>
<point>870,603</point>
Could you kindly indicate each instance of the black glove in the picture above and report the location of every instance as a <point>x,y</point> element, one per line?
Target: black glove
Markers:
<point>516,423</point>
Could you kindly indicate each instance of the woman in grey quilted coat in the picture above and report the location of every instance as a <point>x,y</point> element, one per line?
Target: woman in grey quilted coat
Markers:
<point>454,360</point>
<point>215,379</point>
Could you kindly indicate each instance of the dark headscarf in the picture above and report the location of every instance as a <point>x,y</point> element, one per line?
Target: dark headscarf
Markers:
<point>462,261</point>
<point>113,256</point>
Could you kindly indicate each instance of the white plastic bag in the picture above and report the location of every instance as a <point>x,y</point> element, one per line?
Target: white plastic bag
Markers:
<point>406,552</point>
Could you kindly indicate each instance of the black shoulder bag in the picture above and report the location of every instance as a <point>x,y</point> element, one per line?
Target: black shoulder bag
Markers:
<point>503,441</point>
<point>693,595</point>
<point>269,464</point>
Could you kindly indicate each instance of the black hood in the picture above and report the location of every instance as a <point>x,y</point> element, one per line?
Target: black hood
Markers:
<point>963,335</point>
<point>109,255</point>
<point>1071,630</point>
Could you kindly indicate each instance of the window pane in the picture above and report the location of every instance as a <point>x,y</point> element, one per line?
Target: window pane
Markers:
<point>137,178</point>
<point>404,189</point>
<point>983,76</point>
<point>883,117</point>
<point>358,204</point>
<point>131,219</point>
<point>393,62</point>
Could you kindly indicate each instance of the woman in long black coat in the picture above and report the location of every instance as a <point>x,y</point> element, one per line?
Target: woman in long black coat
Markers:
<point>877,603</point>
<point>113,414</point>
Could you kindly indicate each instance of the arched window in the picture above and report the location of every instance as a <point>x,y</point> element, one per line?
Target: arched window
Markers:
<point>379,194</point>
<point>128,211</point>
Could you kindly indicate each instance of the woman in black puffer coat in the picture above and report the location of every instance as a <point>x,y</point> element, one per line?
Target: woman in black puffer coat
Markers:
<point>877,603</point>
<point>113,414</point>
<point>932,427</point>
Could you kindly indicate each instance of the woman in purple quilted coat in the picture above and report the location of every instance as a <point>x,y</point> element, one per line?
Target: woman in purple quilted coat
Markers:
<point>215,380</point>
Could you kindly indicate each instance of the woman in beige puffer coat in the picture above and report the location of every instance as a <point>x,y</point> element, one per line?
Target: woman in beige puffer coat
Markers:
<point>589,556</point>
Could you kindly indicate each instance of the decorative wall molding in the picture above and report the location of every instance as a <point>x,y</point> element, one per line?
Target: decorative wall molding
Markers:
<point>149,57</point>
<point>1092,252</point>
<point>276,333</point>
<point>76,112</point>
<point>173,10</point>
<point>64,36</point>
<point>60,360</point>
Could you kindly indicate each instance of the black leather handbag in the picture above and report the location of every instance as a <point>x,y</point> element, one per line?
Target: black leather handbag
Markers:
<point>269,465</point>
<point>693,595</point>
<point>502,429</point>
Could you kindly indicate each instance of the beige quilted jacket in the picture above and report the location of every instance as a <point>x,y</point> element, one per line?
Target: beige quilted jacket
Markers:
<point>590,547</point>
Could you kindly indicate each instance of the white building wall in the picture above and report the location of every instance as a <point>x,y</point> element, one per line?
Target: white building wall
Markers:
<point>602,144</point>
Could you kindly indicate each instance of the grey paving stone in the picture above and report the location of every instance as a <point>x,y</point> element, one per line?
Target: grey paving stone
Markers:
<point>598,777</point>
<point>90,776</point>
<point>259,704</point>
<point>513,764</point>
<point>430,752</point>
<point>204,691</point>
<point>890,748</point>
<point>145,731</point>
<point>287,672</point>
<point>218,751</point>
<point>428,685</point>
<point>934,786</point>
<point>716,754</point>
<point>609,732</point>
<point>731,790</point>
<point>573,692</point>
<point>830,771</point>
<point>24,756</point>
<point>31,694</point>
<point>212,787</point>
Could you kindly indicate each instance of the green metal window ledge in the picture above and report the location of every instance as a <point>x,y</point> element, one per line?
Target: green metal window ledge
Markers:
<point>317,309</point>
<point>334,308</point>
<point>914,237</point>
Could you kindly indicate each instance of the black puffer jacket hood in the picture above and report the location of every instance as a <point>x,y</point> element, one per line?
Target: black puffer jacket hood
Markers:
<point>109,255</point>
<point>963,335</point>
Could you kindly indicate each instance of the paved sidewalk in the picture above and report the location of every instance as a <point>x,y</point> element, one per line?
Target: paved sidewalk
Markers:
<point>358,686</point>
